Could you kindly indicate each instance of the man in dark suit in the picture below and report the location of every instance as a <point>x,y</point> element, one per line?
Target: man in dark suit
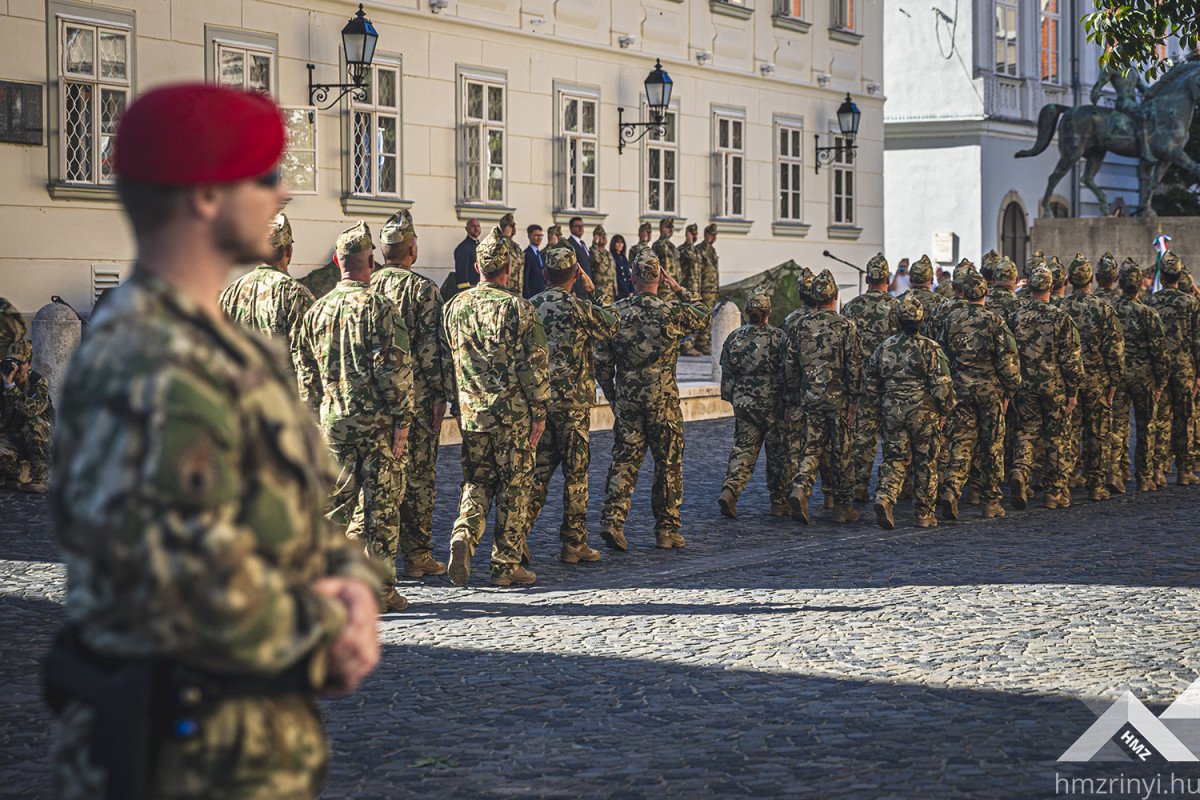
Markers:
<point>534,282</point>
<point>465,275</point>
<point>582,252</point>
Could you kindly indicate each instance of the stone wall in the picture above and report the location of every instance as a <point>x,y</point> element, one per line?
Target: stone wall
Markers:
<point>1122,236</point>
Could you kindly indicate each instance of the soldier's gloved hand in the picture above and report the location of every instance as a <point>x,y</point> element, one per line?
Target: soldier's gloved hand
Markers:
<point>671,282</point>
<point>1071,404</point>
<point>355,651</point>
<point>535,433</point>
<point>400,441</point>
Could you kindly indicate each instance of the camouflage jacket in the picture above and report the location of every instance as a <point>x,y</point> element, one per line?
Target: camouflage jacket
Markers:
<point>637,248</point>
<point>752,376</point>
<point>574,328</point>
<point>707,266</point>
<point>668,256</point>
<point>188,493</point>
<point>638,364</point>
<point>1181,326</point>
<point>12,326</point>
<point>1048,346</point>
<point>873,313</point>
<point>929,301</point>
<point>1003,301</point>
<point>420,305</point>
<point>322,280</point>
<point>688,266</point>
<point>516,276</point>
<point>26,408</point>
<point>982,353</point>
<point>933,326</point>
<point>604,275</point>
<point>1101,340</point>
<point>910,371</point>
<point>356,369</point>
<point>823,367</point>
<point>270,302</point>
<point>945,289</point>
<point>1110,296</point>
<point>1145,342</point>
<point>500,378</point>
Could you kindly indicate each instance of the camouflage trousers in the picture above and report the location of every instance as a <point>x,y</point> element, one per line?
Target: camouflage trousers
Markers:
<point>497,466</point>
<point>29,444</point>
<point>367,494</point>
<point>248,748</point>
<point>565,443</point>
<point>866,442</point>
<point>1042,416</point>
<point>910,447</point>
<point>1136,391</point>
<point>1090,435</point>
<point>976,442</point>
<point>752,428</point>
<point>827,436</point>
<point>420,477</point>
<point>1172,435</point>
<point>658,428</point>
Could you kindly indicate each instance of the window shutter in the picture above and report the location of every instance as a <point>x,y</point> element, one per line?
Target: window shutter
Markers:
<point>560,173</point>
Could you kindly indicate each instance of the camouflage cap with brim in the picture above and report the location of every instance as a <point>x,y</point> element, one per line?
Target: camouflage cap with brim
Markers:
<point>666,222</point>
<point>1005,271</point>
<point>1080,271</point>
<point>909,309</point>
<point>974,287</point>
<point>561,259</point>
<point>1130,275</point>
<point>877,268</point>
<point>20,351</point>
<point>1170,266</point>
<point>1041,279</point>
<point>646,267</point>
<point>759,300</point>
<point>492,254</point>
<point>824,287</point>
<point>710,229</point>
<point>554,230</point>
<point>1107,268</point>
<point>921,271</point>
<point>645,227</point>
<point>398,228</point>
<point>599,231</point>
<point>354,239</point>
<point>1058,272</point>
<point>506,220</point>
<point>693,229</point>
<point>279,231</point>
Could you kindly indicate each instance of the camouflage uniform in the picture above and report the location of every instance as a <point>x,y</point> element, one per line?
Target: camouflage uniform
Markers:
<point>1107,271</point>
<point>356,374</point>
<point>12,325</point>
<point>574,328</point>
<point>1003,301</point>
<point>321,280</point>
<point>706,266</point>
<point>191,532</point>
<point>921,272</point>
<point>1146,372</point>
<point>1102,346</point>
<point>1051,374</point>
<point>793,412</point>
<point>636,369</point>
<point>668,255</point>
<point>26,416</point>
<point>604,271</point>
<point>639,246</point>
<point>499,388</point>
<point>1173,414</point>
<point>945,289</point>
<point>752,380</point>
<point>516,277</point>
<point>269,300</point>
<point>874,314</point>
<point>909,377</point>
<point>689,275</point>
<point>419,306</point>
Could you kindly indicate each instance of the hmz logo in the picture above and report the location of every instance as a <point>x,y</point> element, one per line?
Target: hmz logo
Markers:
<point>1136,734</point>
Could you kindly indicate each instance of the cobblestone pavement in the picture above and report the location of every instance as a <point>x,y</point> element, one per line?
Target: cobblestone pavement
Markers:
<point>761,660</point>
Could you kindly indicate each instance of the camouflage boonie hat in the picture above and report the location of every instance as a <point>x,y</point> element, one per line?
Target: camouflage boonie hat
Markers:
<point>599,231</point>
<point>646,266</point>
<point>561,259</point>
<point>1080,271</point>
<point>877,268</point>
<point>1036,259</point>
<point>1170,266</point>
<point>1005,271</point>
<point>961,270</point>
<point>974,287</point>
<point>20,351</point>
<point>824,288</point>
<point>666,222</point>
<point>1130,275</point>
<point>1058,272</point>
<point>921,271</point>
<point>279,232</point>
<point>760,300</point>
<point>710,229</point>
<point>354,240</point>
<point>1041,279</point>
<point>507,220</point>
<point>645,227</point>
<point>1107,268</point>
<point>398,228</point>
<point>493,254</point>
<point>692,228</point>
<point>554,230</point>
<point>909,309</point>
<point>804,282</point>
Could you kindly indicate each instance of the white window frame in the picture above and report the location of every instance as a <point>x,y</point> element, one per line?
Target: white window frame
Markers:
<point>843,182</point>
<point>219,40</point>
<point>289,164</point>
<point>729,131</point>
<point>667,149</point>
<point>790,208</point>
<point>485,128</point>
<point>570,144</point>
<point>843,15</point>
<point>792,9</point>
<point>100,86</point>
<point>221,47</point>
<point>1050,43</point>
<point>1003,12</point>
<point>368,183</point>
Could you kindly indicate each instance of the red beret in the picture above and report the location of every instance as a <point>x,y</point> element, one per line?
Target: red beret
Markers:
<point>198,133</point>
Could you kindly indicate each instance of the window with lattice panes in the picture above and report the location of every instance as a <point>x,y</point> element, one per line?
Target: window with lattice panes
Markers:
<point>662,166</point>
<point>482,153</point>
<point>789,160</point>
<point>299,162</point>
<point>244,67</point>
<point>375,134</point>
<point>1005,37</point>
<point>843,178</point>
<point>730,166</point>
<point>94,78</point>
<point>578,154</point>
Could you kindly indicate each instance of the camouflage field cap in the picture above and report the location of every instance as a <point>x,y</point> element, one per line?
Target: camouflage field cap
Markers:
<point>961,270</point>
<point>1036,259</point>
<point>1080,271</point>
<point>1170,266</point>
<point>507,220</point>
<point>710,229</point>
<point>554,230</point>
<point>1041,279</point>
<point>21,351</point>
<point>877,268</point>
<point>921,271</point>
<point>1107,268</point>
<point>599,231</point>
<point>645,227</point>
<point>666,222</point>
<point>646,266</point>
<point>561,259</point>
<point>909,309</point>
<point>1005,271</point>
<point>493,254</point>
<point>824,288</point>
<point>760,300</point>
<point>990,260</point>
<point>692,228</point>
<point>354,239</point>
<point>1186,282</point>
<point>804,282</point>
<point>974,287</point>
<point>1058,272</point>
<point>398,228</point>
<point>1130,275</point>
<point>279,231</point>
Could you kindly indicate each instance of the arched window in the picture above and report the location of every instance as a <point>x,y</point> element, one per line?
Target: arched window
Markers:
<point>1013,240</point>
<point>1059,210</point>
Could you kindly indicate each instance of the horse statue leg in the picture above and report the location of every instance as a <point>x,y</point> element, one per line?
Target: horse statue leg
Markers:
<point>1149,176</point>
<point>1065,162</point>
<point>1095,159</point>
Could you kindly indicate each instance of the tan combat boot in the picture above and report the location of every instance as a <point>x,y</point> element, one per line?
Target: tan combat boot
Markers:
<point>844,512</point>
<point>883,514</point>
<point>1020,496</point>
<point>1097,493</point>
<point>827,502</point>
<point>666,540</point>
<point>1114,484</point>
<point>1186,478</point>
<point>1160,477</point>
<point>574,553</point>
<point>392,601</point>
<point>992,511</point>
<point>518,577</point>
<point>972,498</point>
<point>860,494</point>
<point>460,560</point>
<point>929,521</point>
<point>948,505</point>
<point>779,509</point>
<point>422,566</point>
<point>728,504</point>
<point>1145,484</point>
<point>798,504</point>
<point>614,539</point>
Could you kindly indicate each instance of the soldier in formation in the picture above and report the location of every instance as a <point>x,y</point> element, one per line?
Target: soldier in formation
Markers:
<point>604,268</point>
<point>26,415</point>
<point>668,256</point>
<point>1172,434</point>
<point>707,281</point>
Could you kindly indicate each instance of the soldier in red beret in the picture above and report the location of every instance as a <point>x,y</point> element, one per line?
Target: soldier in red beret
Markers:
<point>209,600</point>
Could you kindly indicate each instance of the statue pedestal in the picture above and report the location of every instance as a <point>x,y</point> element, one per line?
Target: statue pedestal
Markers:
<point>1131,237</point>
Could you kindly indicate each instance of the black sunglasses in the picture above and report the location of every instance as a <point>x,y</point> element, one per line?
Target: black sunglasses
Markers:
<point>270,180</point>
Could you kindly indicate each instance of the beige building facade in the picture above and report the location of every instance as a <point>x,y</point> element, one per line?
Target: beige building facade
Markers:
<point>474,108</point>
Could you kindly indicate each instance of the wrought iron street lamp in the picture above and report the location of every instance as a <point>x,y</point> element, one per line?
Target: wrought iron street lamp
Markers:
<point>658,97</point>
<point>358,43</point>
<point>848,117</point>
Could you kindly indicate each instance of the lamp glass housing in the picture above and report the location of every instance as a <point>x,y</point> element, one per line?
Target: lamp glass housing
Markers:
<point>358,41</point>
<point>848,117</point>
<point>658,90</point>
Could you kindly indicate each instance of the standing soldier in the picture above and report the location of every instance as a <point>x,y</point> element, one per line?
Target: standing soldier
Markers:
<point>874,315</point>
<point>553,237</point>
<point>1102,347</point>
<point>499,390</point>
<point>516,280</point>
<point>689,277</point>
<point>574,329</point>
<point>267,299</point>
<point>1001,297</point>
<point>419,304</point>
<point>1174,412</point>
<point>793,412</point>
<point>636,369</point>
<point>26,416</point>
<point>1051,374</point>
<point>910,380</point>
<point>645,230</point>
<point>752,380</point>
<point>604,267</point>
<point>825,372</point>
<point>987,266</point>
<point>1142,383</point>
<point>983,363</point>
<point>192,530</point>
<point>1107,271</point>
<point>321,280</point>
<point>921,275</point>
<point>708,272</point>
<point>356,375</point>
<point>1058,289</point>
<point>1036,259</point>
<point>668,256</point>
<point>12,325</point>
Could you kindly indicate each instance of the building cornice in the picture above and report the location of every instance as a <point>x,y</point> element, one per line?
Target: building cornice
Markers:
<point>929,131</point>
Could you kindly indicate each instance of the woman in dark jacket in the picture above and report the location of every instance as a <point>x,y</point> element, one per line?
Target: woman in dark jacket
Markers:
<point>624,276</point>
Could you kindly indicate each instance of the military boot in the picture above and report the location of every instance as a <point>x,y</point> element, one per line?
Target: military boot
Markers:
<point>827,502</point>
<point>728,504</point>
<point>392,601</point>
<point>948,505</point>
<point>798,504</point>
<point>1076,480</point>
<point>992,511</point>
<point>1186,478</point>
<point>1020,498</point>
<point>460,560</point>
<point>972,498</point>
<point>1114,484</point>
<point>666,540</point>
<point>844,512</point>
<point>1097,493</point>
<point>614,539</point>
<point>883,514</point>
<point>1146,484</point>
<point>1160,477</point>
<point>860,494</point>
<point>518,577</point>
<point>779,508</point>
<point>927,521</point>
<point>574,553</point>
<point>422,566</point>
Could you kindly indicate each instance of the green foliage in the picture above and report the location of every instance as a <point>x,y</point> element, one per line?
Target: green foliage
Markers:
<point>1131,33</point>
<point>1179,194</point>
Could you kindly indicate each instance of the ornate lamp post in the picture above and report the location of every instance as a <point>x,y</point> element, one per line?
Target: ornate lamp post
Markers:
<point>358,43</point>
<point>848,117</point>
<point>658,96</point>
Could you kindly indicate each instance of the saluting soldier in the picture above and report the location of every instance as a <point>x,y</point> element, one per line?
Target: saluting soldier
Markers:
<point>645,231</point>
<point>668,256</point>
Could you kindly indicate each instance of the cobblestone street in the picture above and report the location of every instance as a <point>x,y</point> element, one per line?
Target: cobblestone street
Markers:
<point>763,660</point>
